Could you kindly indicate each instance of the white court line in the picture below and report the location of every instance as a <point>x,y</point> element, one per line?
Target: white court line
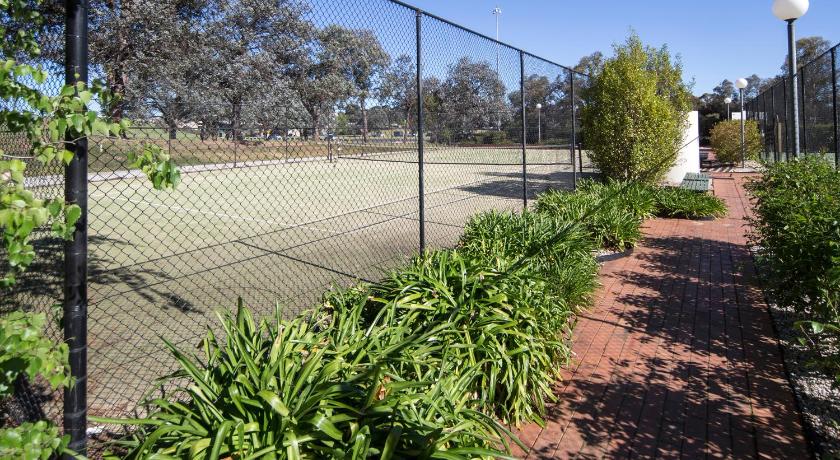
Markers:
<point>216,214</point>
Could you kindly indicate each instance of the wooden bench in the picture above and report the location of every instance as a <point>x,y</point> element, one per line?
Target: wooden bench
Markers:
<point>698,182</point>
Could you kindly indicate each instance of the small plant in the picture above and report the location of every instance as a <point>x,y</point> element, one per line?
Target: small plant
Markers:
<point>687,204</point>
<point>495,338</point>
<point>553,249</point>
<point>318,386</point>
<point>726,140</point>
<point>608,221</point>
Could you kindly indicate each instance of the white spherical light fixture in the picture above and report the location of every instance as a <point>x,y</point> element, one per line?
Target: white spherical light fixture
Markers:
<point>728,100</point>
<point>539,106</point>
<point>787,10</point>
<point>741,83</point>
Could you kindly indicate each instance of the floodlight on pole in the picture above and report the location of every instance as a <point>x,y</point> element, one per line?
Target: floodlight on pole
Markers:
<point>728,101</point>
<point>789,11</point>
<point>742,83</point>
<point>539,123</point>
<point>497,12</point>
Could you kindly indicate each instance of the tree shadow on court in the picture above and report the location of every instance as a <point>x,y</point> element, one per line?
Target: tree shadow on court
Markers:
<point>694,367</point>
<point>41,286</point>
<point>509,185</point>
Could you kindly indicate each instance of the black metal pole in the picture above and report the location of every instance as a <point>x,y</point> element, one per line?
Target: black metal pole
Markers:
<point>743,137</point>
<point>524,130</point>
<point>834,106</point>
<point>763,122</point>
<point>793,109</point>
<point>574,128</point>
<point>75,251</point>
<point>788,147</point>
<point>803,119</point>
<point>773,123</point>
<point>420,131</point>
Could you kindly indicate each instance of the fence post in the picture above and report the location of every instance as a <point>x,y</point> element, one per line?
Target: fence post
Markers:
<point>835,108</point>
<point>773,123</point>
<point>75,250</point>
<point>420,130</point>
<point>804,121</point>
<point>788,120</point>
<point>574,128</point>
<point>524,130</point>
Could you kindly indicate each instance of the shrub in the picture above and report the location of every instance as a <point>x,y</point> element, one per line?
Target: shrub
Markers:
<point>635,111</point>
<point>557,251</point>
<point>495,339</point>
<point>726,140</point>
<point>687,204</point>
<point>796,226</point>
<point>319,386</point>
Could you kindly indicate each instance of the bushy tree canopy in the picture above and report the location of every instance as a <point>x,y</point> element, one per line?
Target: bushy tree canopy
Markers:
<point>635,112</point>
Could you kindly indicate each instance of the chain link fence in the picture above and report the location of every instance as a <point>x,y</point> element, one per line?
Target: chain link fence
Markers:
<point>817,83</point>
<point>321,144</point>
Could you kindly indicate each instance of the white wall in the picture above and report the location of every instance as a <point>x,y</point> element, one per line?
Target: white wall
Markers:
<point>688,158</point>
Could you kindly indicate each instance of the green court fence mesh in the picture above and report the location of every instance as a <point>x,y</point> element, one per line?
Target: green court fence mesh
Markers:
<point>321,142</point>
<point>817,83</point>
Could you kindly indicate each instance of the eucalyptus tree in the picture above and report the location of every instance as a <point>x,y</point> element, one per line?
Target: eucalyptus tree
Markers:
<point>249,44</point>
<point>473,96</point>
<point>399,89</point>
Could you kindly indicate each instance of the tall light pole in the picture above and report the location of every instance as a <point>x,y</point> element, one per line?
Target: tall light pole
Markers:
<point>539,123</point>
<point>790,11</point>
<point>728,101</point>
<point>742,83</point>
<point>497,12</point>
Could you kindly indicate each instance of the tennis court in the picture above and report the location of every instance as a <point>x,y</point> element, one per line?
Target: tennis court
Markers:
<point>275,232</point>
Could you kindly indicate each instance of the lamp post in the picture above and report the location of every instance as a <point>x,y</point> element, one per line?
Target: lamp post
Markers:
<point>539,123</point>
<point>790,11</point>
<point>728,101</point>
<point>741,83</point>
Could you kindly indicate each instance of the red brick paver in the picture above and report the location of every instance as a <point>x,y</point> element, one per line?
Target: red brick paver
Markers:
<point>678,357</point>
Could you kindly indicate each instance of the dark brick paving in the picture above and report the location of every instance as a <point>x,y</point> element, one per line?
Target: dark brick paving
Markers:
<point>678,357</point>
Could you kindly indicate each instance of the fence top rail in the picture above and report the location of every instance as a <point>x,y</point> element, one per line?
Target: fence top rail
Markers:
<point>486,37</point>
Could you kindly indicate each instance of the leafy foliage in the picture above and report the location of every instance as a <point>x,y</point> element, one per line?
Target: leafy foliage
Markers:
<point>158,167</point>
<point>796,226</point>
<point>493,328</point>
<point>32,441</point>
<point>634,113</point>
<point>687,204</point>
<point>608,222</point>
<point>26,352</point>
<point>726,140</point>
<point>556,250</point>
<point>319,386</point>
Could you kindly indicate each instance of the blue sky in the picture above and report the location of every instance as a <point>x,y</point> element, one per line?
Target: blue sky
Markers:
<point>717,39</point>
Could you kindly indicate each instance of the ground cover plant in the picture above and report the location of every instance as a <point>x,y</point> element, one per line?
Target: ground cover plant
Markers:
<point>556,250</point>
<point>796,229</point>
<point>500,337</point>
<point>318,386</point>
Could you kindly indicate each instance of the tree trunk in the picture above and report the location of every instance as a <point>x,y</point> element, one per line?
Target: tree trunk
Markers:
<point>237,115</point>
<point>362,100</point>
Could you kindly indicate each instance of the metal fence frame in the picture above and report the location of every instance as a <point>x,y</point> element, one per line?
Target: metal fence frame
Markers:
<point>75,303</point>
<point>769,121</point>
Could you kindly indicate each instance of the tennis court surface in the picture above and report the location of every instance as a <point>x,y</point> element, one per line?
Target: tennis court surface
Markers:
<point>277,232</point>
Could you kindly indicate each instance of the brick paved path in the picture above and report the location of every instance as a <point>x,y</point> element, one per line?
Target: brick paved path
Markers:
<point>678,357</point>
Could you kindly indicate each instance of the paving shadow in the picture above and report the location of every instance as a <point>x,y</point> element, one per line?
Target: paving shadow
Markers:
<point>698,372</point>
<point>509,185</point>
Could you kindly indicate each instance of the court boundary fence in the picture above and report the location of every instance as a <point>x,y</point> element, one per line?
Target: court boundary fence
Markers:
<point>75,252</point>
<point>819,113</point>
